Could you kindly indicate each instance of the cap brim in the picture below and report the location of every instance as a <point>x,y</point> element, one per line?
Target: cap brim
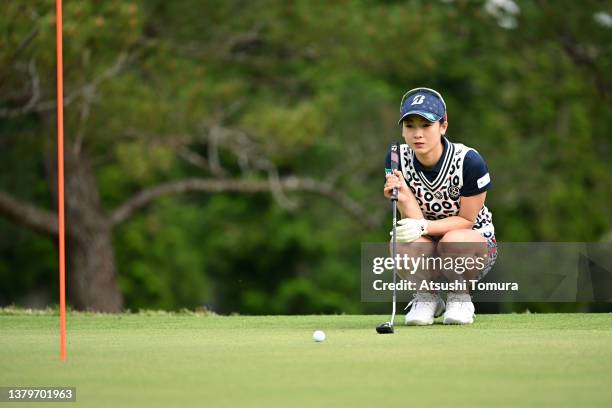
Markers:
<point>426,115</point>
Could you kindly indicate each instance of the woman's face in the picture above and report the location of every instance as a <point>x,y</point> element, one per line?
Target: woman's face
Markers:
<point>422,135</point>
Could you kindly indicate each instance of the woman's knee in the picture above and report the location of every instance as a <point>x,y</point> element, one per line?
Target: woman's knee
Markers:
<point>462,235</point>
<point>462,241</point>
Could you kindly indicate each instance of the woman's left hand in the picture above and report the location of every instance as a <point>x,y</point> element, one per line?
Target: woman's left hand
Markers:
<point>410,229</point>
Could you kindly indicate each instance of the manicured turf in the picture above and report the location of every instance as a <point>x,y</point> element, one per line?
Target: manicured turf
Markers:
<point>181,360</point>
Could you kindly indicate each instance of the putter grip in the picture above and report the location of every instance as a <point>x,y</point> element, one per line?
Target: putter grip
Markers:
<point>394,166</point>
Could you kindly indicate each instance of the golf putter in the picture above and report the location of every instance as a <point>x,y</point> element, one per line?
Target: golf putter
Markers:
<point>387,327</point>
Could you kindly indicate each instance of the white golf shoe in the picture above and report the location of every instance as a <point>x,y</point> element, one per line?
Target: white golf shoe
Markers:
<point>459,309</point>
<point>425,306</point>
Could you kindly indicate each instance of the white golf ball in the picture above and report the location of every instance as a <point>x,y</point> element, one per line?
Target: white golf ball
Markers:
<point>318,335</point>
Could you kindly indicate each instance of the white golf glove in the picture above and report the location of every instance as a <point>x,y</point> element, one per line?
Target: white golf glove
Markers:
<point>410,229</point>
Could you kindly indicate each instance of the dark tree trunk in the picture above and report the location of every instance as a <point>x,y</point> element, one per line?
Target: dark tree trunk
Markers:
<point>91,272</point>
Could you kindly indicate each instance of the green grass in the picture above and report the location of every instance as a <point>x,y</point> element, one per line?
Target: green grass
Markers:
<point>181,360</point>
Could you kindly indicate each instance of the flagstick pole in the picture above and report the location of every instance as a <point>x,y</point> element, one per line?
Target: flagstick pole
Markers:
<point>60,179</point>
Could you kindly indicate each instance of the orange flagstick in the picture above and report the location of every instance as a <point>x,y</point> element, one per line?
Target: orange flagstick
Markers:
<point>60,179</point>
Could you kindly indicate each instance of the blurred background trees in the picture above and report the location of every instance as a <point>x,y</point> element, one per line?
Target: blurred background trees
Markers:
<point>229,154</point>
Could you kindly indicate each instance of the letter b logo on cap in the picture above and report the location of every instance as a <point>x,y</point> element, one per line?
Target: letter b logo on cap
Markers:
<point>418,100</point>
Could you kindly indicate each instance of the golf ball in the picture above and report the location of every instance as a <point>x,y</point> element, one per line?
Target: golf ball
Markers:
<point>318,335</point>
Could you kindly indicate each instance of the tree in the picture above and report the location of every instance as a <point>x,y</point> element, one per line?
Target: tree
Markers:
<point>93,79</point>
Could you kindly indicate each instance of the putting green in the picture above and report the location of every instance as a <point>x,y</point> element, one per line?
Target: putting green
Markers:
<point>165,360</point>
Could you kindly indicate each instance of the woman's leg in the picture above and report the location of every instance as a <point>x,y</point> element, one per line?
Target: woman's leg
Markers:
<point>422,248</point>
<point>469,251</point>
<point>426,304</point>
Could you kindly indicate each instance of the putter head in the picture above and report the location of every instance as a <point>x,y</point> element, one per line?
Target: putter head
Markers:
<point>385,328</point>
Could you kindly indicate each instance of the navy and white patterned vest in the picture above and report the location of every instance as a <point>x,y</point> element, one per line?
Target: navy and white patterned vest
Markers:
<point>441,197</point>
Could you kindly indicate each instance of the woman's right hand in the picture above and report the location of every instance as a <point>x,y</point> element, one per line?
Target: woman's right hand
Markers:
<point>396,180</point>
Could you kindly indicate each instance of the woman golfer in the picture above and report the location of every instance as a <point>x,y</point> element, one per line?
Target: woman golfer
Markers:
<point>442,189</point>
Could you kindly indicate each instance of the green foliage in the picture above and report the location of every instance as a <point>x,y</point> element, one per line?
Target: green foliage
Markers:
<point>317,86</point>
<point>160,267</point>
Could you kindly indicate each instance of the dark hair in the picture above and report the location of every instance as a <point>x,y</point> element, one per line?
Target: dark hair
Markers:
<point>441,121</point>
